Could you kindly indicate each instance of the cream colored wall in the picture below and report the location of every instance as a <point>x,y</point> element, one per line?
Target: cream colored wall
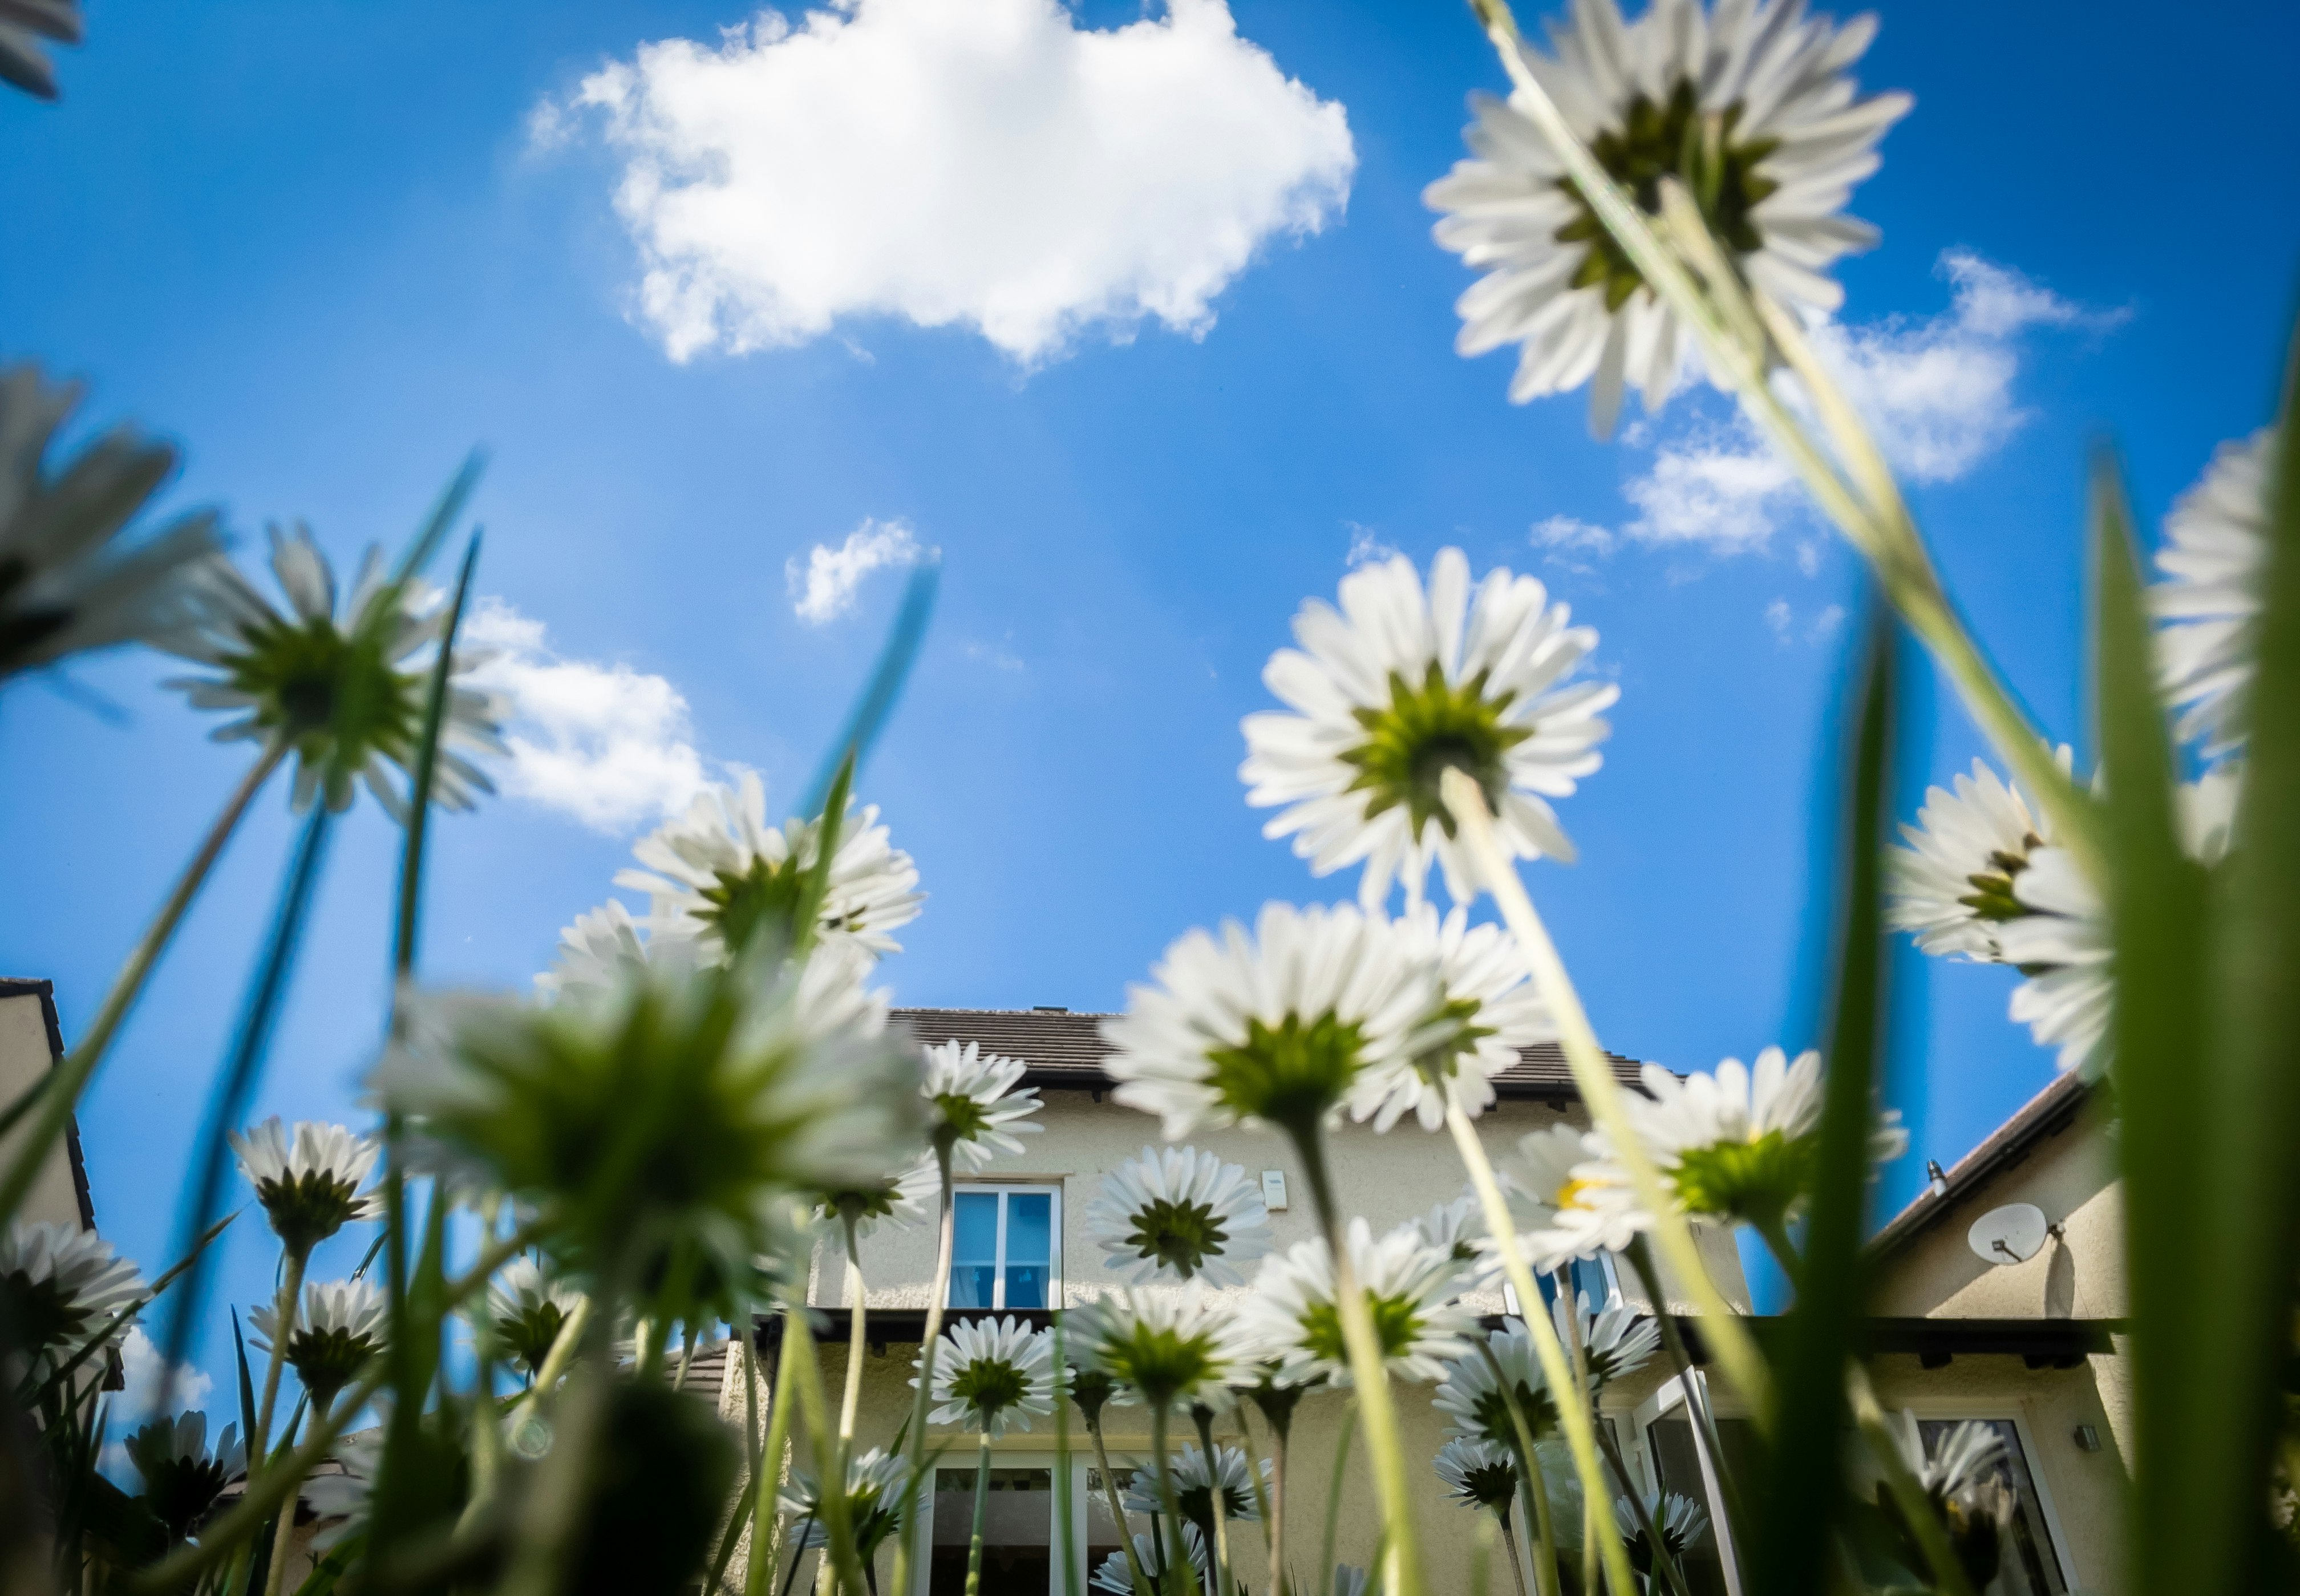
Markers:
<point>1387,1178</point>
<point>24,1060</point>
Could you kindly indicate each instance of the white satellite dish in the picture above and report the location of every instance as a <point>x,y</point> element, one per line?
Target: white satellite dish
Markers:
<point>2013,1233</point>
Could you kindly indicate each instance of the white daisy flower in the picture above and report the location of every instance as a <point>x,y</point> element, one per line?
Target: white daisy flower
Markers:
<point>1484,1001</point>
<point>1578,1205</point>
<point>1291,1317</point>
<point>1350,1580</point>
<point>1477,1474</point>
<point>343,688</point>
<point>720,873</point>
<point>1471,1393</point>
<point>182,1478</point>
<point>526,1309</point>
<point>909,1198</point>
<point>68,581</point>
<point>340,1501</point>
<point>597,951</point>
<point>1454,1228</point>
<point>1749,107</point>
<point>976,1103</point>
<point>1168,1346</point>
<point>1615,1341</point>
<point>1400,684</point>
<point>1737,1142</point>
<point>1179,1214</point>
<point>2215,564</point>
<point>992,1373</point>
<point>714,1096</point>
<point>1960,1461</point>
<point>308,1179</point>
<point>1681,1520</point>
<point>340,1325</point>
<point>60,1286</point>
<point>1275,1028</point>
<point>1114,1575</point>
<point>874,1500</point>
<point>1952,885</point>
<point>1194,1486</point>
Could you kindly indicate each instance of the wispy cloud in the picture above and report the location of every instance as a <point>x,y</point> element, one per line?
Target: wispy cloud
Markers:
<point>149,1388</point>
<point>1368,546</point>
<point>992,165</point>
<point>1780,620</point>
<point>608,745</point>
<point>823,584</point>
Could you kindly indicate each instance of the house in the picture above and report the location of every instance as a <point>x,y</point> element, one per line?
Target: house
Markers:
<point>1026,1223</point>
<point>31,1044</point>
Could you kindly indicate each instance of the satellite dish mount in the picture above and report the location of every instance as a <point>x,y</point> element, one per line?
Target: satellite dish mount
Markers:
<point>2012,1235</point>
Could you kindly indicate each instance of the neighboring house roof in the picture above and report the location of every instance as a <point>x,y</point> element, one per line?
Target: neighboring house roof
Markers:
<point>12,986</point>
<point>2045,1115</point>
<point>1066,1051</point>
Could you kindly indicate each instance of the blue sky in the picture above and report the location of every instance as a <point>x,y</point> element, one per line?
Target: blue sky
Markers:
<point>331,247</point>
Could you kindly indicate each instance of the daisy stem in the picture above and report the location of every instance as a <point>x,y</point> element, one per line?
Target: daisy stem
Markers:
<point>981,1502</point>
<point>850,1401</point>
<point>1731,1343</point>
<point>1509,1544</point>
<point>765,1520</point>
<point>799,1553</point>
<point>1334,1497</point>
<point>1181,1577</point>
<point>1776,1235</point>
<point>1657,1547</point>
<point>1573,1413</point>
<point>64,1084</point>
<point>1908,1491</point>
<point>1370,1374</point>
<point>1274,1516</point>
<point>555,1363</point>
<point>1203,1417</point>
<point>283,1325</point>
<point>1697,1399</point>
<point>1117,1505</point>
<point>1529,1478</point>
<point>936,1299</point>
<point>807,1380</point>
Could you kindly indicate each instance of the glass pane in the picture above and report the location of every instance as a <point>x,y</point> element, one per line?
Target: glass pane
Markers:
<point>974,1248</point>
<point>1029,1241</point>
<point>2026,1565</point>
<point>1590,1281</point>
<point>1679,1464</point>
<point>1018,1521</point>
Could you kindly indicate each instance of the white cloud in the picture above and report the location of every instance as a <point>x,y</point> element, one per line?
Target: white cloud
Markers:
<point>1367,546</point>
<point>987,164</point>
<point>1777,616</point>
<point>148,1389</point>
<point>1937,391</point>
<point>1780,620</point>
<point>823,586</point>
<point>993,655</point>
<point>607,744</point>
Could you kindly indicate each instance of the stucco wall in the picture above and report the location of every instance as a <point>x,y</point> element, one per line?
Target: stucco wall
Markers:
<point>24,1059</point>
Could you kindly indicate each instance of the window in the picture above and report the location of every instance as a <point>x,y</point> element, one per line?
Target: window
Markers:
<point>1018,1531</point>
<point>1003,1251</point>
<point>2027,1564</point>
<point>1593,1277</point>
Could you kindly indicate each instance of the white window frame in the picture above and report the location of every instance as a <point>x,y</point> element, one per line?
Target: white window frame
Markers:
<point>1005,1188</point>
<point>1604,1261</point>
<point>922,1535</point>
<point>2014,1412</point>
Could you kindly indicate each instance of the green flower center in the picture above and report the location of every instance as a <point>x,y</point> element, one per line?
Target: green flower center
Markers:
<point>988,1385</point>
<point>325,1360</point>
<point>1457,1016</point>
<point>1197,1505</point>
<point>307,1209</point>
<point>1425,730</point>
<point>764,897</point>
<point>1289,1074</point>
<point>1181,1235</point>
<point>1396,1320</point>
<point>1992,897</point>
<point>179,1490</point>
<point>41,1314</point>
<point>1161,1364</point>
<point>331,695</point>
<point>1493,1415</point>
<point>1757,1180</point>
<point>961,1120</point>
<point>1490,1486</point>
<point>1673,139</point>
<point>529,1335</point>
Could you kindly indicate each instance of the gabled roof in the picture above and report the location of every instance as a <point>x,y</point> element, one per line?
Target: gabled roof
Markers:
<point>1065,1052</point>
<point>2047,1114</point>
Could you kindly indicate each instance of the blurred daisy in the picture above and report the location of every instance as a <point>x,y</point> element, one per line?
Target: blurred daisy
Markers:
<point>1477,1474</point>
<point>1272,1027</point>
<point>339,1326</point>
<point>308,1179</point>
<point>1401,684</point>
<point>903,1200</point>
<point>2215,564</point>
<point>1114,1575</point>
<point>1453,1228</point>
<point>1486,1012</point>
<point>1410,1285</point>
<point>991,1373</point>
<point>1953,885</point>
<point>597,951</point>
<point>1350,1580</point>
<point>1471,1393</point>
<point>1681,1520</point>
<point>341,686</point>
<point>1749,107</point>
<point>720,874</point>
<point>59,1286</point>
<point>1194,1486</point>
<point>526,1311</point>
<point>68,582</point>
<point>1615,1341</point>
<point>182,1478</point>
<point>976,1104</point>
<point>685,1106</point>
<point>1577,1205</point>
<point>874,1501</point>
<point>1179,1214</point>
<point>1168,1346</point>
<point>341,1501</point>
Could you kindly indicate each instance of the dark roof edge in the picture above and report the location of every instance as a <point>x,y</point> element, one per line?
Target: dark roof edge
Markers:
<point>2047,1114</point>
<point>46,990</point>
<point>1077,1078</point>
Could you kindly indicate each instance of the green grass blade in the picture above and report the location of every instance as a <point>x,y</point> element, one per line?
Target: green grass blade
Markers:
<point>426,768</point>
<point>1803,1500</point>
<point>2157,907</point>
<point>442,519</point>
<point>870,710</point>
